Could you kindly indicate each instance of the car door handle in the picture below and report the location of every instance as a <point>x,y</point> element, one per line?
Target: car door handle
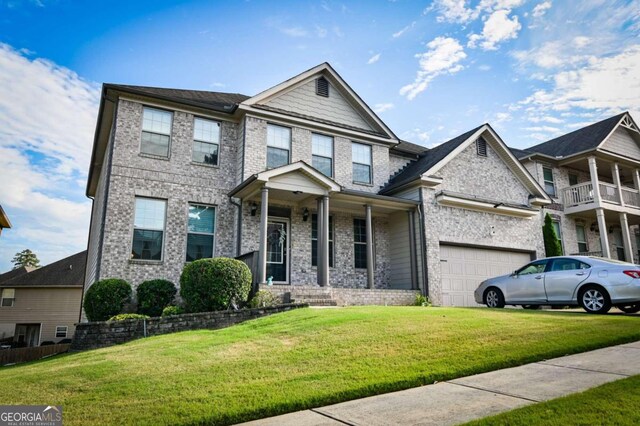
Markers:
<point>539,277</point>
<point>579,273</point>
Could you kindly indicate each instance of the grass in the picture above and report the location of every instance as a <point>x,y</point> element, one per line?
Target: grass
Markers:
<point>615,403</point>
<point>296,360</point>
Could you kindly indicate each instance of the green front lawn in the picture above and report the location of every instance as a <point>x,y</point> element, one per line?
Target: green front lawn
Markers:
<point>299,359</point>
<point>616,403</point>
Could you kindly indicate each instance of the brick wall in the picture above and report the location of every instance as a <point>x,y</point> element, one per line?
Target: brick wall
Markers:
<point>349,296</point>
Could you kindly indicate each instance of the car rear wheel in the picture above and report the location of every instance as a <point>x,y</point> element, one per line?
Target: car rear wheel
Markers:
<point>629,309</point>
<point>494,298</point>
<point>594,300</point>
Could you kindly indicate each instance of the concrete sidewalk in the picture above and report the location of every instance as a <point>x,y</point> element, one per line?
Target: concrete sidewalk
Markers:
<point>469,398</point>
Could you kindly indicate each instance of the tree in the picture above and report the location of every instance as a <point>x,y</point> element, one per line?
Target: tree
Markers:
<point>25,258</point>
<point>552,246</point>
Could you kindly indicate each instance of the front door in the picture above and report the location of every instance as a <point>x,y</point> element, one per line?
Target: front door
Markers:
<point>278,250</point>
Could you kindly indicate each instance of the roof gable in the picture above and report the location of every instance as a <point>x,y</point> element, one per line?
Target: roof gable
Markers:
<point>624,141</point>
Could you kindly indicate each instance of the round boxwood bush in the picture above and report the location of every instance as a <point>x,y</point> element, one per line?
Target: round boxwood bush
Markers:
<point>214,284</point>
<point>172,310</point>
<point>106,298</point>
<point>154,295</point>
<point>122,317</point>
<point>264,299</point>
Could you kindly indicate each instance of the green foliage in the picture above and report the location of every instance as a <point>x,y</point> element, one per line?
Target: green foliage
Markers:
<point>154,295</point>
<point>106,298</point>
<point>552,246</point>
<point>214,284</point>
<point>263,299</point>
<point>25,258</point>
<point>172,310</point>
<point>422,301</point>
<point>122,317</point>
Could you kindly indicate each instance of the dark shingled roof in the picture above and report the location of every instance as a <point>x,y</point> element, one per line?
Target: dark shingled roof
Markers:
<point>426,160</point>
<point>405,147</point>
<point>14,273</point>
<point>580,140</point>
<point>223,102</point>
<point>519,153</point>
<point>68,272</point>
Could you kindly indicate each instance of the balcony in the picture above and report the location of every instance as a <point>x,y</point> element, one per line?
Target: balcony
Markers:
<point>582,194</point>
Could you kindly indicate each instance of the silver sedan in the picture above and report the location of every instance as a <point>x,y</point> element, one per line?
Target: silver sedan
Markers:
<point>594,283</point>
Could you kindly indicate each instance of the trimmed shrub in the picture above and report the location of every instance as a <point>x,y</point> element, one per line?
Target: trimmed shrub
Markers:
<point>172,310</point>
<point>422,301</point>
<point>552,246</point>
<point>214,284</point>
<point>264,299</point>
<point>122,317</point>
<point>106,298</point>
<point>154,295</point>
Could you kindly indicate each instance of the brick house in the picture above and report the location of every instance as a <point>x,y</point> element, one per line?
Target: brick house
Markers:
<point>308,181</point>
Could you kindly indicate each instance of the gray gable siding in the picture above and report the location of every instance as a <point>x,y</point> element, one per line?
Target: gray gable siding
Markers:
<point>303,100</point>
<point>492,178</point>
<point>622,143</point>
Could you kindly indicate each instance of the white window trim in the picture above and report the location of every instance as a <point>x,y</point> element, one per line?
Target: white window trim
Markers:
<point>322,156</point>
<point>164,229</point>
<point>552,181</point>
<point>373,234</point>
<point>193,139</point>
<point>212,234</point>
<point>66,331</point>
<point>2,298</point>
<point>145,154</point>
<point>584,232</point>
<point>277,147</point>
<point>370,165</point>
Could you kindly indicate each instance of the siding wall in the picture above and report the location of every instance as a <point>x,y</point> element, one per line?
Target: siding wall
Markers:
<point>399,251</point>
<point>622,143</point>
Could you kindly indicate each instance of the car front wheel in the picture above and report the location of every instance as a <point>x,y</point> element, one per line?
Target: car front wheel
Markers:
<point>494,298</point>
<point>629,309</point>
<point>595,300</point>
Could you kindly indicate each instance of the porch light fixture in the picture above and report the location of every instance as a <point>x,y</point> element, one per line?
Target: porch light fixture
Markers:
<point>305,214</point>
<point>254,209</point>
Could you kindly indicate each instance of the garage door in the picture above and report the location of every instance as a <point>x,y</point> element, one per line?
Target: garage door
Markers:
<point>464,268</point>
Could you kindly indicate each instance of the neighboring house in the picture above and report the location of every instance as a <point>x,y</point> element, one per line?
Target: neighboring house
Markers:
<point>593,177</point>
<point>307,178</point>
<point>40,305</point>
<point>4,220</point>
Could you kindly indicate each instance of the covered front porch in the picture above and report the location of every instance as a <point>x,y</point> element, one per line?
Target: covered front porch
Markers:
<point>305,229</point>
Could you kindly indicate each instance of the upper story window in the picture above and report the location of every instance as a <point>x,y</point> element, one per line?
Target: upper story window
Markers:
<point>156,132</point>
<point>201,232</point>
<point>573,179</point>
<point>361,157</point>
<point>314,240</point>
<point>549,184</point>
<point>206,141</point>
<point>322,153</point>
<point>581,237</point>
<point>322,87</point>
<point>8,297</point>
<point>278,146</point>
<point>481,147</point>
<point>148,229</point>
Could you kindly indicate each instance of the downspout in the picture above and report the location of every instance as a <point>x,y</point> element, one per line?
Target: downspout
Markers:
<point>423,240</point>
<point>238,225</point>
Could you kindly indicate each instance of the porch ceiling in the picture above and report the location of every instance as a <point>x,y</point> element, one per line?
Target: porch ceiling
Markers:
<point>611,217</point>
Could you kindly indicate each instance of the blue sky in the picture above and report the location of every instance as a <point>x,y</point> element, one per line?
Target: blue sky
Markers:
<point>432,69</point>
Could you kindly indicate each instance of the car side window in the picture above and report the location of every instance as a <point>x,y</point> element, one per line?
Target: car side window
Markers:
<point>536,267</point>
<point>568,265</point>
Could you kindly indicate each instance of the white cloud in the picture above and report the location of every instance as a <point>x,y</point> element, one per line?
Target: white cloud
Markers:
<point>580,42</point>
<point>552,54</point>
<point>501,117</point>
<point>379,108</point>
<point>547,129</point>
<point>442,57</point>
<point>45,146</point>
<point>497,28</point>
<point>417,135</point>
<point>404,30</point>
<point>545,119</point>
<point>540,9</point>
<point>457,11</point>
<point>294,31</point>
<point>375,58</point>
<point>218,85</point>
<point>484,67</point>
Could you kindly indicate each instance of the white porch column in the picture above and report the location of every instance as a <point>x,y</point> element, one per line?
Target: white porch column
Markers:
<point>262,248</point>
<point>604,238</point>
<point>370,260</point>
<point>615,172</point>
<point>626,238</point>
<point>636,179</point>
<point>325,241</point>
<point>593,171</point>
<point>320,239</point>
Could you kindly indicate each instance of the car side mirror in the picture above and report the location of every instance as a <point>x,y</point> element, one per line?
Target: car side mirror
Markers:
<point>514,274</point>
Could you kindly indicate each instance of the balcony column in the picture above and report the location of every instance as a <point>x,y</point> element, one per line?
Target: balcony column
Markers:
<point>370,259</point>
<point>262,250</point>
<point>320,239</point>
<point>604,238</point>
<point>325,243</point>
<point>595,184</point>
<point>626,238</point>
<point>615,172</point>
<point>636,179</point>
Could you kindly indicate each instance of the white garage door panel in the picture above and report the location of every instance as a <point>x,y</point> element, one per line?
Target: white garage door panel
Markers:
<point>464,268</point>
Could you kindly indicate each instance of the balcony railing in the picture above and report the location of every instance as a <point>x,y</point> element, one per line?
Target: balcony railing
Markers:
<point>582,193</point>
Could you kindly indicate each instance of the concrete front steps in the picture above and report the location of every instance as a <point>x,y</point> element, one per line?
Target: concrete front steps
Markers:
<point>315,295</point>
<point>318,299</point>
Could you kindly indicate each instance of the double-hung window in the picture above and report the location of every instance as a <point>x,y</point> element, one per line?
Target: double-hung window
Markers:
<point>8,297</point>
<point>361,157</point>
<point>201,231</point>
<point>360,243</point>
<point>314,240</point>
<point>549,184</point>
<point>156,132</point>
<point>581,237</point>
<point>558,229</point>
<point>61,331</point>
<point>322,153</point>
<point>148,229</point>
<point>206,141</point>
<point>278,146</point>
